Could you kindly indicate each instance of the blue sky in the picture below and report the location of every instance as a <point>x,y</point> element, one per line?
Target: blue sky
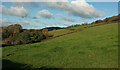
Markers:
<point>40,15</point>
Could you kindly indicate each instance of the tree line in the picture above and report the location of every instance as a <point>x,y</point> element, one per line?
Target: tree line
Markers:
<point>14,35</point>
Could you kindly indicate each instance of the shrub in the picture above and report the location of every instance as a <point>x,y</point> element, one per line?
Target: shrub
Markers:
<point>98,21</point>
<point>10,30</point>
<point>45,32</point>
<point>5,34</point>
<point>50,36</point>
<point>12,35</point>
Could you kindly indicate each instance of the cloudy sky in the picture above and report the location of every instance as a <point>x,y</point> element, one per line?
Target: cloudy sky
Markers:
<point>37,15</point>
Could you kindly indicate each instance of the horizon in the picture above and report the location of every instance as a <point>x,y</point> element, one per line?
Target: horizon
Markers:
<point>56,26</point>
<point>38,15</point>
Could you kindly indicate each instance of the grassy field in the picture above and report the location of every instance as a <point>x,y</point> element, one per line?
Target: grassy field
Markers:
<point>59,32</point>
<point>95,47</point>
<point>64,31</point>
<point>82,26</point>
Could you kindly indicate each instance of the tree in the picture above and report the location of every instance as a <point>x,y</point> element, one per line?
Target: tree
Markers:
<point>45,32</point>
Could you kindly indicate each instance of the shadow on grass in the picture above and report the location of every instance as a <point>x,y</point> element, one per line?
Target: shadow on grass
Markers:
<point>9,65</point>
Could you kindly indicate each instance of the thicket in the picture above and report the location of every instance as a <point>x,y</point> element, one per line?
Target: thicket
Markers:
<point>14,34</point>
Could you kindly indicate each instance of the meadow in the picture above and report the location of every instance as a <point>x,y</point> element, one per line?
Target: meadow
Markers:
<point>94,47</point>
<point>59,32</point>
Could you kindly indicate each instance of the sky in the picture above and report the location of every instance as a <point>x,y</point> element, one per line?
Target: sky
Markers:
<point>38,15</point>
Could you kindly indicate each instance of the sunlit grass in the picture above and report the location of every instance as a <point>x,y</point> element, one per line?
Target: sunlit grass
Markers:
<point>94,47</point>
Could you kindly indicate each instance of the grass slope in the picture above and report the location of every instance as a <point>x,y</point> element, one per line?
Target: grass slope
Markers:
<point>59,32</point>
<point>82,26</point>
<point>94,47</point>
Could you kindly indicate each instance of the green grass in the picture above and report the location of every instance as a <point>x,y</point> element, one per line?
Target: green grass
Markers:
<point>59,32</point>
<point>77,27</point>
<point>94,47</point>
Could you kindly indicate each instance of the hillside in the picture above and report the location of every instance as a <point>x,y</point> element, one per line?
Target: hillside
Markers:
<point>80,27</point>
<point>94,47</point>
<point>16,35</point>
<point>53,28</point>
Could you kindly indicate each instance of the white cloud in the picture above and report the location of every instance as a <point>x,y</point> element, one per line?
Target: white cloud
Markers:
<point>4,22</point>
<point>14,11</point>
<point>66,18</point>
<point>57,0</point>
<point>67,24</point>
<point>45,14</point>
<point>19,3</point>
<point>34,0</point>
<point>25,22</point>
<point>36,20</point>
<point>34,4</point>
<point>77,8</point>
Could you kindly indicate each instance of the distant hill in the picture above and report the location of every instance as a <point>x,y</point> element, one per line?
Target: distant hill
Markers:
<point>52,28</point>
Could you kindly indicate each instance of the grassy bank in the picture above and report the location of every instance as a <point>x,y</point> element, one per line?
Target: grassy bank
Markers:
<point>94,47</point>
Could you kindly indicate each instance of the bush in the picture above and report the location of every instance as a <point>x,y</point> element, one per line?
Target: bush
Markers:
<point>10,30</point>
<point>12,35</point>
<point>5,34</point>
<point>98,21</point>
<point>50,36</point>
<point>36,35</point>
